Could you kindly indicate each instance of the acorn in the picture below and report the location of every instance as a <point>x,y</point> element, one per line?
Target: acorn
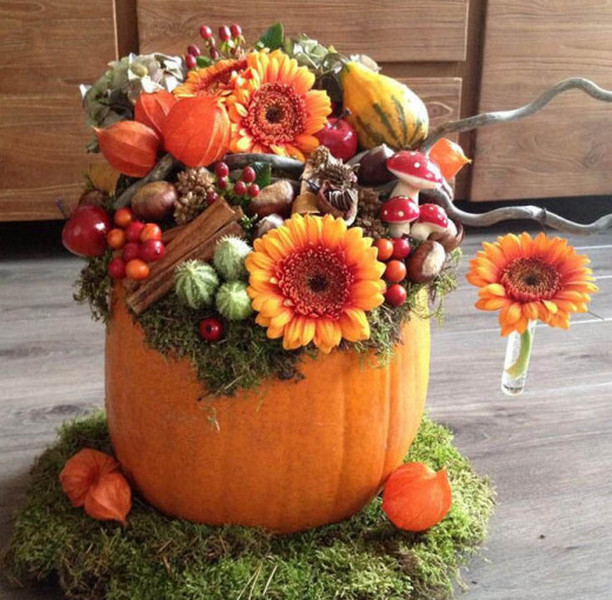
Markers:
<point>155,201</point>
<point>426,262</point>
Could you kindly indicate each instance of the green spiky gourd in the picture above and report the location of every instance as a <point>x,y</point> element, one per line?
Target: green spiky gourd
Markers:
<point>233,301</point>
<point>195,283</point>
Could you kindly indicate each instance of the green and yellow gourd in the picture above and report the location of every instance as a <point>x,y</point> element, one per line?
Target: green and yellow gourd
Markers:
<point>382,109</point>
<point>196,283</point>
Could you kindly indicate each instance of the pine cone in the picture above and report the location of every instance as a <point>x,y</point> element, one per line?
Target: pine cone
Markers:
<point>193,186</point>
<point>368,215</point>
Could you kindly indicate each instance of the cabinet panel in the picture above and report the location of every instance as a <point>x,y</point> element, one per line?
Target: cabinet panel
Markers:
<point>388,30</point>
<point>48,48</point>
<point>566,149</point>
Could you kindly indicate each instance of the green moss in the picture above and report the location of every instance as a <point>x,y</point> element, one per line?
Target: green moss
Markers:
<point>246,357</point>
<point>364,558</point>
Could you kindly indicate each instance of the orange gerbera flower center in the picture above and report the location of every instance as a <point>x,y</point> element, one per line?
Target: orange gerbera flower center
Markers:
<point>530,279</point>
<point>316,281</point>
<point>276,114</point>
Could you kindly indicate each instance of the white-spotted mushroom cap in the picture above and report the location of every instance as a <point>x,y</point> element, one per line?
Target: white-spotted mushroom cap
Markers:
<point>432,218</point>
<point>399,209</point>
<point>415,169</point>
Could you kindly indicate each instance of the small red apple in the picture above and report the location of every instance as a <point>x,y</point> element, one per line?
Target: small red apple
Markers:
<point>84,234</point>
<point>340,137</point>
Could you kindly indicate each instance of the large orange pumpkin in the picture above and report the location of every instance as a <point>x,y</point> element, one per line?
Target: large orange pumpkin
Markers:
<point>287,457</point>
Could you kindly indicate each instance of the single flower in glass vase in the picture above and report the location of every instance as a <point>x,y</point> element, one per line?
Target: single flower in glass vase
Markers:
<point>529,279</point>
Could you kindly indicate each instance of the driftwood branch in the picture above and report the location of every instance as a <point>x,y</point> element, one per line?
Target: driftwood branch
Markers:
<point>160,171</point>
<point>504,116</point>
<point>541,215</point>
<point>283,163</point>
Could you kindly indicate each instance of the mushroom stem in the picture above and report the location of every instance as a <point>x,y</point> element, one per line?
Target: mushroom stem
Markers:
<point>403,189</point>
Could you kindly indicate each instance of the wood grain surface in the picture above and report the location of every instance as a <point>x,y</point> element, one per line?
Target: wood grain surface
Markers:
<point>566,149</point>
<point>387,30</point>
<point>548,451</point>
<point>47,48</point>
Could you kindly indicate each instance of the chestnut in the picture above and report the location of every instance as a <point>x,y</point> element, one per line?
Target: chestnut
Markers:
<point>426,262</point>
<point>155,201</point>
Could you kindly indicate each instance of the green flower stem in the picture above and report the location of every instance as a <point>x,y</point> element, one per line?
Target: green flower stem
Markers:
<point>522,360</point>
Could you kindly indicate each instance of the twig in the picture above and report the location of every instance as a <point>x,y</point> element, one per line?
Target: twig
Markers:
<point>504,116</point>
<point>157,173</point>
<point>530,213</point>
<point>241,160</point>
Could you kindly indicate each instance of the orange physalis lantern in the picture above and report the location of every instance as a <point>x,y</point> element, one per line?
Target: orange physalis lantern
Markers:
<point>449,156</point>
<point>91,479</point>
<point>416,498</point>
<point>152,109</point>
<point>130,147</point>
<point>197,131</point>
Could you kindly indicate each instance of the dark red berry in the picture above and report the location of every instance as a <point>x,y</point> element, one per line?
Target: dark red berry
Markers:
<point>224,33</point>
<point>206,32</point>
<point>253,190</point>
<point>191,62</point>
<point>193,50</point>
<point>249,175</point>
<point>211,329</point>
<point>395,294</point>
<point>401,248</point>
<point>236,30</point>
<point>130,251</point>
<point>222,183</point>
<point>212,197</point>
<point>116,268</point>
<point>214,53</point>
<point>221,170</point>
<point>133,231</point>
<point>151,250</point>
<point>240,188</point>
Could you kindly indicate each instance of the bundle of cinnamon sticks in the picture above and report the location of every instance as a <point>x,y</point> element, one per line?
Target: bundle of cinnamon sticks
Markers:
<point>196,240</point>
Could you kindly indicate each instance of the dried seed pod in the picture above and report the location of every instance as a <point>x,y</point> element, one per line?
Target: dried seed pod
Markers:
<point>338,202</point>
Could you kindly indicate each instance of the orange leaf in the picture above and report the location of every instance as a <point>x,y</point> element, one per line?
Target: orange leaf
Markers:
<point>129,146</point>
<point>197,131</point>
<point>449,156</point>
<point>82,471</point>
<point>110,499</point>
<point>416,497</point>
<point>152,109</point>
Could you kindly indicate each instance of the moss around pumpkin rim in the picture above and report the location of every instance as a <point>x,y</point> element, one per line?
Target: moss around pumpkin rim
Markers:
<point>363,558</point>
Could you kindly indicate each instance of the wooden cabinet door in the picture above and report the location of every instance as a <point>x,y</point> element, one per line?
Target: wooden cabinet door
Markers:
<point>566,149</point>
<point>48,47</point>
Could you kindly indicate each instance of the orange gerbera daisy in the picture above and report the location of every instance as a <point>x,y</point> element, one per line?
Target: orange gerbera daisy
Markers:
<point>529,278</point>
<point>273,108</point>
<point>312,280</point>
<point>215,80</point>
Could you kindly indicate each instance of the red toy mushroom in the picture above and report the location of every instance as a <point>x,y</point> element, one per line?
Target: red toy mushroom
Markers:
<point>432,218</point>
<point>415,171</point>
<point>399,212</point>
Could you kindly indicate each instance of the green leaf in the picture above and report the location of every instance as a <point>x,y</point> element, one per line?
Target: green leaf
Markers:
<point>264,174</point>
<point>272,37</point>
<point>203,61</point>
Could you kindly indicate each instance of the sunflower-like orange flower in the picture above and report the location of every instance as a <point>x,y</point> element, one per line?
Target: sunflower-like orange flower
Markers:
<point>273,108</point>
<point>215,80</point>
<point>529,278</point>
<point>312,280</point>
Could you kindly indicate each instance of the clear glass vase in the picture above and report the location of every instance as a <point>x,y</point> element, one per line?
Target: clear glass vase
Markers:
<point>518,352</point>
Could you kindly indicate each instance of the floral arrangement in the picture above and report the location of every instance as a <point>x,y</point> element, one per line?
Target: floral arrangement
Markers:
<point>263,200</point>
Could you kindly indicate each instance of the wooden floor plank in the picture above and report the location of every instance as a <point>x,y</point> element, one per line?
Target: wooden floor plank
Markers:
<point>548,451</point>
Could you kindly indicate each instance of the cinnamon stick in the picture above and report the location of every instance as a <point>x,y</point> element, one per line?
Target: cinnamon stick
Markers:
<point>195,241</point>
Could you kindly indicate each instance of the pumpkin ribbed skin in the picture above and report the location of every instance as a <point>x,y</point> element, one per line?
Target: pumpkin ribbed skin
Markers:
<point>382,110</point>
<point>287,457</point>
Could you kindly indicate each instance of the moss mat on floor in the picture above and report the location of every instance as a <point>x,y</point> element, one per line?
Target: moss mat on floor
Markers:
<point>364,558</point>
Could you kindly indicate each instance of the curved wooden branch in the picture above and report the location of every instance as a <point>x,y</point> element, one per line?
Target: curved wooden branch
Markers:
<point>160,171</point>
<point>530,213</point>
<point>283,163</point>
<point>504,116</point>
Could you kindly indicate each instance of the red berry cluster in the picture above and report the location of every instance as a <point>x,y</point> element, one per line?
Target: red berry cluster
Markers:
<point>393,252</point>
<point>244,187</point>
<point>231,44</point>
<point>140,244</point>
